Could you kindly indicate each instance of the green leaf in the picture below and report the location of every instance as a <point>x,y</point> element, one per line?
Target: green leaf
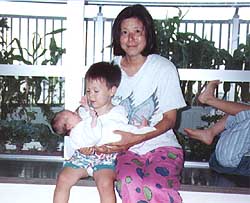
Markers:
<point>56,31</point>
<point>43,52</point>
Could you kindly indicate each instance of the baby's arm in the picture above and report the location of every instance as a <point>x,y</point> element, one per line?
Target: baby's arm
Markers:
<point>144,123</point>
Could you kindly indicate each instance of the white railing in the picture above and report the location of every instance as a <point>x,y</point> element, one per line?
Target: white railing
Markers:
<point>78,75</point>
<point>64,71</point>
<point>185,74</point>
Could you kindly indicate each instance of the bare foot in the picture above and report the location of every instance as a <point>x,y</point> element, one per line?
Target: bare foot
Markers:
<point>208,93</point>
<point>204,136</point>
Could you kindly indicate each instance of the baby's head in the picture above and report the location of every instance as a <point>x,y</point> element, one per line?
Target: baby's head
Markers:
<point>102,80</point>
<point>64,121</point>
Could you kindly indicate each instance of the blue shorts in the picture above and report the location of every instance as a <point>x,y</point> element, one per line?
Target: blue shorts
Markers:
<point>242,169</point>
<point>91,163</point>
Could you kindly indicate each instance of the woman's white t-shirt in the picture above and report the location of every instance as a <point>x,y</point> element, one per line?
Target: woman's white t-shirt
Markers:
<point>152,91</point>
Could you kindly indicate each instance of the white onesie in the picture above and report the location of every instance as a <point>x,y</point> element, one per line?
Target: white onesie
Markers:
<point>83,135</point>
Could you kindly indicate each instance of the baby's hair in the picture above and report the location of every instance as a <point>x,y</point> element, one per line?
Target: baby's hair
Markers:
<point>105,71</point>
<point>58,123</point>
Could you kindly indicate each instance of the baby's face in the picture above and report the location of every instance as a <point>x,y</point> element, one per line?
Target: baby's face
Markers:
<point>72,120</point>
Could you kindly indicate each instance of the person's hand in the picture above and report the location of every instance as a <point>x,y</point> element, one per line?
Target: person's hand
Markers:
<point>103,149</point>
<point>144,123</point>
<point>87,150</point>
<point>128,140</point>
<point>84,103</point>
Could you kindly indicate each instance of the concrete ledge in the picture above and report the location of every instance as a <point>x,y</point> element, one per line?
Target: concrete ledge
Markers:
<point>194,179</point>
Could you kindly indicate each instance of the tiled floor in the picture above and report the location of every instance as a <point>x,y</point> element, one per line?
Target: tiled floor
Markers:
<point>191,177</point>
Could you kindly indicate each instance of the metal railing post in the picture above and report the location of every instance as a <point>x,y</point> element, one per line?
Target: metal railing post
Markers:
<point>234,45</point>
<point>98,36</point>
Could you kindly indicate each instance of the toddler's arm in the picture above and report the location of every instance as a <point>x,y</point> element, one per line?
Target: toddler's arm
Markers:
<point>92,112</point>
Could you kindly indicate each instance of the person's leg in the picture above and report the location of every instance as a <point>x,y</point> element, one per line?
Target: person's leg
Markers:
<point>164,173</point>
<point>242,169</point>
<point>230,108</point>
<point>127,181</point>
<point>234,142</point>
<point>207,135</point>
<point>207,97</point>
<point>66,179</point>
<point>134,182</point>
<point>104,179</point>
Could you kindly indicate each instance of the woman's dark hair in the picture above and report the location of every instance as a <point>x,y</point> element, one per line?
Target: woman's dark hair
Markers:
<point>141,13</point>
<point>105,71</point>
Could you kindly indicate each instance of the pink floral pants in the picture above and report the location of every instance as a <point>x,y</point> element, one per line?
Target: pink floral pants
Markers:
<point>150,178</point>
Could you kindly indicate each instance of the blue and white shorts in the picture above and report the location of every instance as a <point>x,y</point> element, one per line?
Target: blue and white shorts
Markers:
<point>92,162</point>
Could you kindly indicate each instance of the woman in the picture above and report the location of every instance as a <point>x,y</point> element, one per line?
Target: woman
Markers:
<point>149,165</point>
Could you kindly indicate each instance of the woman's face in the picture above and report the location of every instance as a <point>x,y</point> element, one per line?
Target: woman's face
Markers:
<point>132,38</point>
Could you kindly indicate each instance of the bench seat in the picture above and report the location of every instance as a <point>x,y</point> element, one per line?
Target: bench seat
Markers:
<point>200,179</point>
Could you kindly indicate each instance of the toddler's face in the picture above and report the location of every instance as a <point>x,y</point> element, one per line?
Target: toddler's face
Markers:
<point>99,95</point>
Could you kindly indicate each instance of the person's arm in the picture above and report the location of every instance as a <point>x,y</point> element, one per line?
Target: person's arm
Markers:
<point>87,150</point>
<point>129,139</point>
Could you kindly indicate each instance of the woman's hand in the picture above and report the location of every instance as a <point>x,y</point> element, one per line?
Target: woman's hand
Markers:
<point>87,150</point>
<point>128,140</point>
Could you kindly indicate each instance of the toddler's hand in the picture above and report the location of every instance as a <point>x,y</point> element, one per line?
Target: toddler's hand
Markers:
<point>84,103</point>
<point>87,150</point>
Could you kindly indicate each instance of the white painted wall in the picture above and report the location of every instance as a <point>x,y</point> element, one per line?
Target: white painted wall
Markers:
<point>27,193</point>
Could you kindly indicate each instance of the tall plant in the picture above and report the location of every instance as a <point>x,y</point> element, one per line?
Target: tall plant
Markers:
<point>18,91</point>
<point>187,50</point>
<point>240,60</point>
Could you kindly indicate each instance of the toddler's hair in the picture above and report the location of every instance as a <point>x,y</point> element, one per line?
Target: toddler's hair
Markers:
<point>105,71</point>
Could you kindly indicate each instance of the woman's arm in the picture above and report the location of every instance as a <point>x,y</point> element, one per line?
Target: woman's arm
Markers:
<point>129,139</point>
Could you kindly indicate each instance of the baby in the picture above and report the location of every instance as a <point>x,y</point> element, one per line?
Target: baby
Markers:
<point>86,129</point>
